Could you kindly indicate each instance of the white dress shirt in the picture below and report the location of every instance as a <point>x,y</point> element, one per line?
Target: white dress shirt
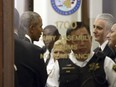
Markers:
<point>46,55</point>
<point>53,73</point>
<point>103,45</point>
<point>27,36</point>
<point>79,63</point>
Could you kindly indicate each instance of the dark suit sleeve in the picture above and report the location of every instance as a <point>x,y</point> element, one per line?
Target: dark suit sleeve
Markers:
<point>31,70</point>
<point>26,77</point>
<point>40,67</point>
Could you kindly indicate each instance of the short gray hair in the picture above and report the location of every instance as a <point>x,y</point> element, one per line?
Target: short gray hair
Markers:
<point>108,18</point>
<point>27,18</point>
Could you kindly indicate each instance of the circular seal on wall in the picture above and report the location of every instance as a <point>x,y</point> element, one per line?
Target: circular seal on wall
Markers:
<point>65,7</point>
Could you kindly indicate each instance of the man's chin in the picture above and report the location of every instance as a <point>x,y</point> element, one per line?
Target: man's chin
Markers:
<point>96,39</point>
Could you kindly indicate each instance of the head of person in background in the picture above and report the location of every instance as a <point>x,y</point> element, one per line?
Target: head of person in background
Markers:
<point>50,36</point>
<point>60,49</point>
<point>80,41</point>
<point>30,26</point>
<point>112,37</point>
<point>69,37</point>
<point>16,22</point>
<point>102,26</point>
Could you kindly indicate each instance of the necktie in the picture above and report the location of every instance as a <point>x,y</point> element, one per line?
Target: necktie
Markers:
<point>99,49</point>
<point>99,53</point>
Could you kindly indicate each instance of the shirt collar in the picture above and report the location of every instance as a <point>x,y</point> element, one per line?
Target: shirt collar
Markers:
<point>80,63</point>
<point>103,45</point>
<point>27,36</point>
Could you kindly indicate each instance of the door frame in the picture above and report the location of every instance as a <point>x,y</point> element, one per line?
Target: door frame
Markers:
<point>6,43</point>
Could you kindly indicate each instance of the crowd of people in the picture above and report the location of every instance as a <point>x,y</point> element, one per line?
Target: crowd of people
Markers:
<point>64,62</point>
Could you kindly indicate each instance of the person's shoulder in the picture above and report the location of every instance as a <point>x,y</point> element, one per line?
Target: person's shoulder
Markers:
<point>109,64</point>
<point>96,49</point>
<point>108,60</point>
<point>19,42</point>
<point>26,44</point>
<point>36,47</point>
<point>107,47</point>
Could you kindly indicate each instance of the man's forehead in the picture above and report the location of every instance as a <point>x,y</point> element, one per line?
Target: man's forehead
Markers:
<point>48,31</point>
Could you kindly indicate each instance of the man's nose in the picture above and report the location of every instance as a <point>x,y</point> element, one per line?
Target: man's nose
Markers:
<point>94,30</point>
<point>58,54</point>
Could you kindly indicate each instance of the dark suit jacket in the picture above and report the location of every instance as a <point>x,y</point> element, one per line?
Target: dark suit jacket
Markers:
<point>43,49</point>
<point>31,70</point>
<point>108,52</point>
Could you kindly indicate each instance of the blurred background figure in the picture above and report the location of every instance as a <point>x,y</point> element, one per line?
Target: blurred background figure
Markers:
<point>60,51</point>
<point>50,36</point>
<point>112,39</point>
<point>101,27</point>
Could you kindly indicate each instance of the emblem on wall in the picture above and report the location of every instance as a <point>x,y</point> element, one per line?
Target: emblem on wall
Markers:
<point>65,7</point>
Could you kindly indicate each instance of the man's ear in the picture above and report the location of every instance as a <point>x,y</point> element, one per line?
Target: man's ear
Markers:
<point>31,28</point>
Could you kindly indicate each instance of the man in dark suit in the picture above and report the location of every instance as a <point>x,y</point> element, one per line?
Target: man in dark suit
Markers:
<point>31,69</point>
<point>107,51</point>
<point>102,26</point>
